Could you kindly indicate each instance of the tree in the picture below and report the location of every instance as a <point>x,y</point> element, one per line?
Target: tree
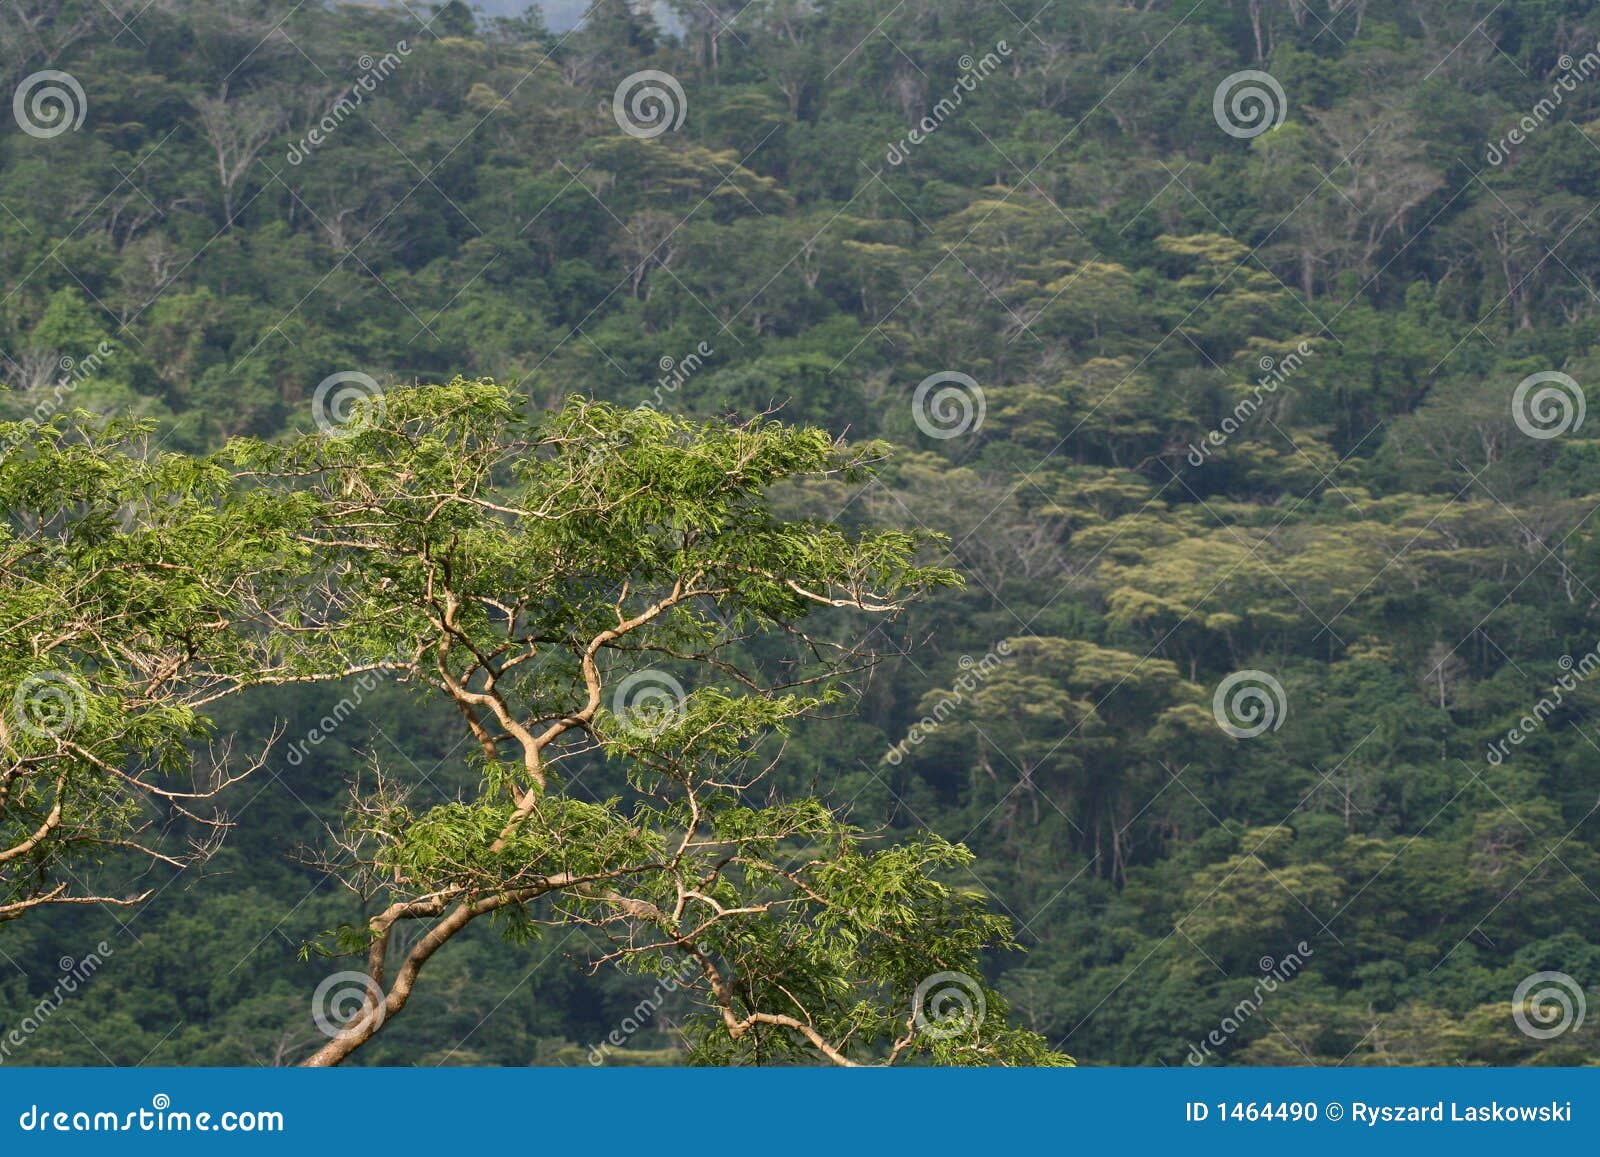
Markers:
<point>237,129</point>
<point>553,579</point>
<point>129,593</point>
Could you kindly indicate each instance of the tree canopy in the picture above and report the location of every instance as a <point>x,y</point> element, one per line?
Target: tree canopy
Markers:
<point>1022,465</point>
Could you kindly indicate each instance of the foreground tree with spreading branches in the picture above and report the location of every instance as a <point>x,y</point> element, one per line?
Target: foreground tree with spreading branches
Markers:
<point>131,590</point>
<point>609,584</point>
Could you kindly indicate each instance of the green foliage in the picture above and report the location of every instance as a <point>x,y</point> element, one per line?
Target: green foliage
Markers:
<point>1375,531</point>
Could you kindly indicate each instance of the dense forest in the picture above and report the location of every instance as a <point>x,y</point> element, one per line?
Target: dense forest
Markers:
<point>1225,363</point>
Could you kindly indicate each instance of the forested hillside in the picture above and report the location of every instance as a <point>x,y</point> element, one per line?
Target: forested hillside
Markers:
<point>1237,349</point>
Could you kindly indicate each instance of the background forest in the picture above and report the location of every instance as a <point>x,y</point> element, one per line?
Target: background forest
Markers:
<point>1196,387</point>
